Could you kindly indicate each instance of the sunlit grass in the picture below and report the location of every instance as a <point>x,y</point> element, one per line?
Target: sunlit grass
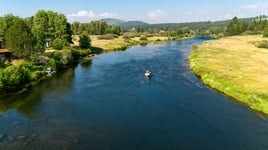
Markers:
<point>114,44</point>
<point>120,43</point>
<point>236,67</point>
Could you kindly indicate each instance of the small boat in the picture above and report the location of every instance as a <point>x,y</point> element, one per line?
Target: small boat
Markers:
<point>148,73</point>
<point>49,71</point>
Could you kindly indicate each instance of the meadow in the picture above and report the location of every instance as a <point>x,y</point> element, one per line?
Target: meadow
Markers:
<point>235,66</point>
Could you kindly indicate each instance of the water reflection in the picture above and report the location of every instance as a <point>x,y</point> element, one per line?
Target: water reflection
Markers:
<point>29,101</point>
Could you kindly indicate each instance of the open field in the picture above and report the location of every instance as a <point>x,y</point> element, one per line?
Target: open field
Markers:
<point>118,43</point>
<point>236,67</point>
<point>114,44</point>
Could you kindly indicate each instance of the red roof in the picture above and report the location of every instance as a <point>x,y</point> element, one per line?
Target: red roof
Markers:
<point>4,51</point>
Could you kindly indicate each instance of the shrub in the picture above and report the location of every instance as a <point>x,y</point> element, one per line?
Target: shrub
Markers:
<point>52,64</point>
<point>107,37</point>
<point>76,53</point>
<point>262,44</point>
<point>36,75</point>
<point>58,44</point>
<point>143,38</point>
<point>85,41</point>
<point>14,78</point>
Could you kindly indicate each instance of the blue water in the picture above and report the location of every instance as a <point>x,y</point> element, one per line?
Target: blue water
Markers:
<point>107,103</point>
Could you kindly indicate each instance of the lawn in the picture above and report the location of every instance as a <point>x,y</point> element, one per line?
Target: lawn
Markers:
<point>236,67</point>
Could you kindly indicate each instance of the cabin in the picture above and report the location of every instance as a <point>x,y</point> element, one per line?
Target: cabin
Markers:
<point>4,53</point>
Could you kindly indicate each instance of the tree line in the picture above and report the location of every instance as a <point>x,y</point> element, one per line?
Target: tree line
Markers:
<point>25,37</point>
<point>28,38</point>
<point>95,28</point>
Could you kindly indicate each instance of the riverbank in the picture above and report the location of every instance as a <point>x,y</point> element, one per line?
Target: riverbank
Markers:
<point>120,43</point>
<point>236,67</point>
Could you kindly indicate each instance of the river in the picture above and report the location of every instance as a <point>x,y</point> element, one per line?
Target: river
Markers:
<point>107,103</point>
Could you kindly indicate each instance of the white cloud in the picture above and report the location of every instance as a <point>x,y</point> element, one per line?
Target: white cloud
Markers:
<point>83,13</point>
<point>157,14</point>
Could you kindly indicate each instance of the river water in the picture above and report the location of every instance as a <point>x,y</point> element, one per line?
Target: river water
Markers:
<point>107,103</point>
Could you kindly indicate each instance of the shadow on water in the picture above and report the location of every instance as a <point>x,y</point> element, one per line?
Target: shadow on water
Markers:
<point>29,101</point>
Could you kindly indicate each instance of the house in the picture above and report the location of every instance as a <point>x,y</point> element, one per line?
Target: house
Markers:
<point>4,53</point>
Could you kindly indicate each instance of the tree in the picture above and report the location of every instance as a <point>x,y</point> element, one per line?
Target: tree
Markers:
<point>234,27</point>
<point>265,31</point>
<point>182,31</point>
<point>6,22</point>
<point>49,26</point>
<point>76,27</point>
<point>40,30</point>
<point>84,41</point>
<point>19,39</point>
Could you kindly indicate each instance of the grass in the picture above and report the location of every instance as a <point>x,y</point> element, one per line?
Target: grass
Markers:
<point>118,43</point>
<point>236,67</point>
<point>106,45</point>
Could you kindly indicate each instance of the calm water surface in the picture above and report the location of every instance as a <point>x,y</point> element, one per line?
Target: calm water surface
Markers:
<point>107,103</point>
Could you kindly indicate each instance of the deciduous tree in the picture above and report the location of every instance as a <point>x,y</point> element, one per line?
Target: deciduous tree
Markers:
<point>19,39</point>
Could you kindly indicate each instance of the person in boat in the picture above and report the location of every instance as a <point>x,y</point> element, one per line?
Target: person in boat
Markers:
<point>147,73</point>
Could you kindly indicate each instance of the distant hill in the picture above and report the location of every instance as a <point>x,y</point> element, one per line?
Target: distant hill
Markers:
<point>133,23</point>
<point>203,25</point>
<point>112,22</point>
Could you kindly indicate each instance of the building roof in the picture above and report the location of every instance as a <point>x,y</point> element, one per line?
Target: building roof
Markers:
<point>4,51</point>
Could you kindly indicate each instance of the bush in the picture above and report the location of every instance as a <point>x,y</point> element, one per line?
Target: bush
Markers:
<point>52,64</point>
<point>58,44</point>
<point>107,37</point>
<point>85,41</point>
<point>143,38</point>
<point>36,75</point>
<point>262,44</point>
<point>80,53</point>
<point>14,78</point>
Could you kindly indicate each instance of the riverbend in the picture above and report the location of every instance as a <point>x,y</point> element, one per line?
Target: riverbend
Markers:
<point>107,103</point>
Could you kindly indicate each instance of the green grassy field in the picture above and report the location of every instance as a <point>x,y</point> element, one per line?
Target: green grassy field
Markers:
<point>236,67</point>
<point>119,43</point>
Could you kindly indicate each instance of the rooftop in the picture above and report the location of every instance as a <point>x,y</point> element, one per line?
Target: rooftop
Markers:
<point>4,51</point>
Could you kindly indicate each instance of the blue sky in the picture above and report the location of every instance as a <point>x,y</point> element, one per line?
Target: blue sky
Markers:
<point>151,11</point>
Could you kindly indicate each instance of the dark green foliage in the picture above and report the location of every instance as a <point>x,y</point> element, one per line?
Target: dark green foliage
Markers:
<point>84,41</point>
<point>114,30</point>
<point>6,22</point>
<point>234,27</point>
<point>58,44</point>
<point>14,78</point>
<point>182,31</point>
<point>59,59</point>
<point>76,53</point>
<point>49,26</point>
<point>52,64</point>
<point>19,39</point>
<point>265,31</point>
<point>92,28</point>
